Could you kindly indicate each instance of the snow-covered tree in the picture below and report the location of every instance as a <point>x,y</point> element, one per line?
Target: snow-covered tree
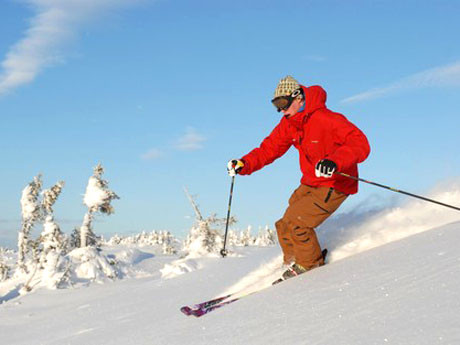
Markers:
<point>232,238</point>
<point>50,196</point>
<point>164,239</point>
<point>52,261</point>
<point>266,237</point>
<point>53,243</point>
<point>74,241</point>
<point>87,236</point>
<point>34,210</point>
<point>86,261</point>
<point>98,198</point>
<point>41,254</point>
<point>31,213</point>
<point>168,243</point>
<point>4,269</point>
<point>245,237</point>
<point>115,240</point>
<point>203,237</point>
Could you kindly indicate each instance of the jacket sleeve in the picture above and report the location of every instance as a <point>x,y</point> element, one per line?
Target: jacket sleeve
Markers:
<point>271,148</point>
<point>353,145</point>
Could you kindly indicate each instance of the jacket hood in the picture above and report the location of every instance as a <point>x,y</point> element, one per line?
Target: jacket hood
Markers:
<point>315,98</point>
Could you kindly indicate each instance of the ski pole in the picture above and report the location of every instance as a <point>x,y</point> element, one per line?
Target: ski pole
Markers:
<point>397,190</point>
<point>224,252</point>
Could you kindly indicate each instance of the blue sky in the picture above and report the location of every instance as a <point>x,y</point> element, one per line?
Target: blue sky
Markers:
<point>164,93</point>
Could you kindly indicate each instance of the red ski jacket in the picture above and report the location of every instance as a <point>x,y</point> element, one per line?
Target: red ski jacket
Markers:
<point>317,133</point>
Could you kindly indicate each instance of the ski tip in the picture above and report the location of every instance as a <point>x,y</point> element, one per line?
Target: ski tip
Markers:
<point>193,312</point>
<point>186,310</point>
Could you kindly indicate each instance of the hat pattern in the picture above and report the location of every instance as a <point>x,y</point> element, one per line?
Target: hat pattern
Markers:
<point>286,86</point>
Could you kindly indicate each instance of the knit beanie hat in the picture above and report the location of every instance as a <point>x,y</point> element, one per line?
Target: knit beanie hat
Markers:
<point>286,86</point>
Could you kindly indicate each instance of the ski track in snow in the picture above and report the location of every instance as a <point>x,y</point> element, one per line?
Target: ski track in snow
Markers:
<point>362,234</point>
<point>367,230</point>
<point>258,279</point>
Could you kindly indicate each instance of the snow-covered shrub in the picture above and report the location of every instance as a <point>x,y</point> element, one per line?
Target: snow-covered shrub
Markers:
<point>266,237</point>
<point>74,241</point>
<point>46,252</point>
<point>88,264</point>
<point>32,253</point>
<point>50,196</point>
<point>232,238</point>
<point>51,238</point>
<point>114,240</point>
<point>8,260</point>
<point>169,244</point>
<point>245,238</point>
<point>98,198</point>
<point>4,270</point>
<point>204,238</point>
<point>164,239</point>
<point>52,262</point>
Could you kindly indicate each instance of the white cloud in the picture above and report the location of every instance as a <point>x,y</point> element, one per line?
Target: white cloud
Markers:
<point>191,141</point>
<point>152,154</point>
<point>447,75</point>
<point>55,23</point>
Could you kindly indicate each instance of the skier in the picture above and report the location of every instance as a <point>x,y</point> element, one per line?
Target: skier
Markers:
<point>327,142</point>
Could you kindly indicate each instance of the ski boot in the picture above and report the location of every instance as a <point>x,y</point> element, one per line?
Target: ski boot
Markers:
<point>295,269</point>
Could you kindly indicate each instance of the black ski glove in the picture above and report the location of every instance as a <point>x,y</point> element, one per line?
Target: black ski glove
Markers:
<point>325,168</point>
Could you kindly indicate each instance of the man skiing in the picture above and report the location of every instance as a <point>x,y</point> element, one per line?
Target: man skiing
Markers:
<point>327,142</point>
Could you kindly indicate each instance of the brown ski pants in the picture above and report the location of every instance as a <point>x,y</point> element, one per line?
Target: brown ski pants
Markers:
<point>308,208</point>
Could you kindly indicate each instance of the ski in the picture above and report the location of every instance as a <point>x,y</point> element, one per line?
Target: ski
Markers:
<point>197,312</point>
<point>205,307</point>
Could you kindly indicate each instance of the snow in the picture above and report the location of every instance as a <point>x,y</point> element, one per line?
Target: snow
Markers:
<point>390,224</point>
<point>179,267</point>
<point>402,292</point>
<point>392,278</point>
<point>91,265</point>
<point>29,203</point>
<point>95,196</point>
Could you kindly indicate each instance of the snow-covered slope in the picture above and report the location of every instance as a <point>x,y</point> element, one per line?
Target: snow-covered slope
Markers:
<point>404,292</point>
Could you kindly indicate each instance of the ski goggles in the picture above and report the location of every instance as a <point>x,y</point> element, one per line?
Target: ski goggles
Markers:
<point>284,102</point>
